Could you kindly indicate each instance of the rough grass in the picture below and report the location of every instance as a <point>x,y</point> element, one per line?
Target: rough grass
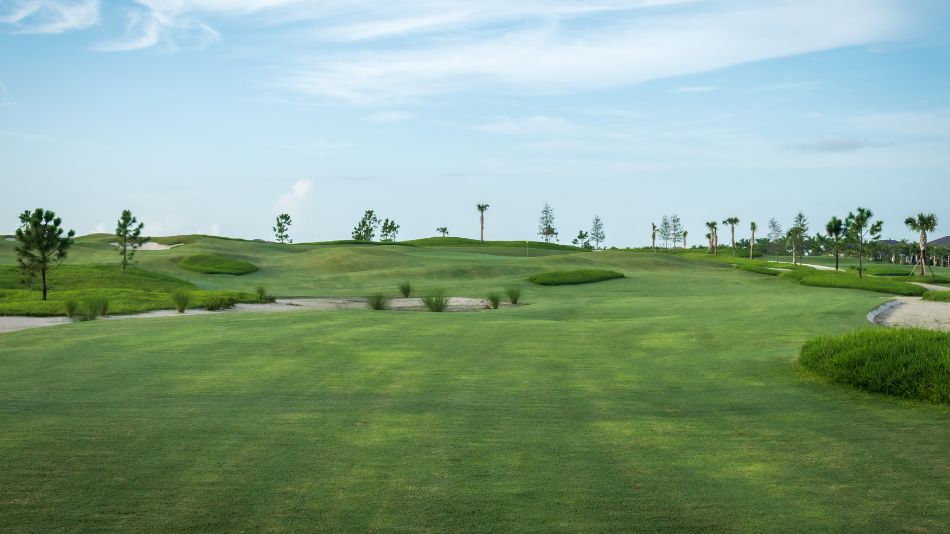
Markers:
<point>121,301</point>
<point>937,296</point>
<point>909,363</point>
<point>868,283</point>
<point>214,264</point>
<point>465,242</point>
<point>574,277</point>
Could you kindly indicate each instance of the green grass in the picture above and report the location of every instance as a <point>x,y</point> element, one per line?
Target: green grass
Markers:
<point>669,400</point>
<point>937,296</point>
<point>909,363</point>
<point>214,264</point>
<point>868,283</point>
<point>464,242</point>
<point>574,277</point>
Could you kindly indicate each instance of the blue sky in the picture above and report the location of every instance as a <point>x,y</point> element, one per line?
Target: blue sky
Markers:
<point>212,116</point>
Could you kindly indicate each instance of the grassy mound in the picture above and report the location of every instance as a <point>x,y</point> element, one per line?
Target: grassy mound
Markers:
<point>937,296</point>
<point>909,363</point>
<point>214,264</point>
<point>574,277</point>
<point>74,277</point>
<point>121,301</point>
<point>868,283</point>
<point>465,242</point>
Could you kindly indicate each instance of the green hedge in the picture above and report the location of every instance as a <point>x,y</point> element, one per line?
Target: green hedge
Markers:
<point>214,264</point>
<point>573,277</point>
<point>909,363</point>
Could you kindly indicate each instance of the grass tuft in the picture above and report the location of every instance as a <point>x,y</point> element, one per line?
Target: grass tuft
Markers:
<point>220,302</point>
<point>93,307</point>
<point>182,299</point>
<point>573,277</point>
<point>494,299</point>
<point>436,302</point>
<point>72,306</point>
<point>377,302</point>
<point>908,363</point>
<point>405,289</point>
<point>513,293</point>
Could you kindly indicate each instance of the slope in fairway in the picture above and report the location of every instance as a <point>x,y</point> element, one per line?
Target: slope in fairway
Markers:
<point>668,400</point>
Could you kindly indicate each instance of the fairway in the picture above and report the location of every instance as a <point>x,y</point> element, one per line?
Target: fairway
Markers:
<point>670,399</point>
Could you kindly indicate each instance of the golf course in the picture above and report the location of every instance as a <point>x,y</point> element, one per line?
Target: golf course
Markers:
<point>668,399</point>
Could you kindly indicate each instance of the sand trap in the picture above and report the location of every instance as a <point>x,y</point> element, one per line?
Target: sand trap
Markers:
<point>913,312</point>
<point>151,245</point>
<point>456,304</point>
<point>932,287</point>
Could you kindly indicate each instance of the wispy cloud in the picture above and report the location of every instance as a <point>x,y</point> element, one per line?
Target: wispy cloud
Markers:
<point>688,89</point>
<point>50,16</point>
<point>297,195</point>
<point>835,145</point>
<point>387,117</point>
<point>614,51</point>
<point>536,125</point>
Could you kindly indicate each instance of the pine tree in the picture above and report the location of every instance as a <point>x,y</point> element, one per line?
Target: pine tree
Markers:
<point>128,234</point>
<point>546,224</point>
<point>282,228</point>
<point>41,244</point>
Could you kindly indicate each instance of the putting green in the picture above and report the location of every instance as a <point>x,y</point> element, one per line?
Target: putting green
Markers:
<point>667,400</point>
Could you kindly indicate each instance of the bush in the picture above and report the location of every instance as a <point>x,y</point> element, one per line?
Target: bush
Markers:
<point>405,289</point>
<point>513,293</point>
<point>437,302</point>
<point>577,276</point>
<point>909,363</point>
<point>377,302</point>
<point>182,299</point>
<point>494,299</point>
<point>262,295</point>
<point>93,307</point>
<point>214,264</point>
<point>220,302</point>
<point>937,296</point>
<point>71,307</point>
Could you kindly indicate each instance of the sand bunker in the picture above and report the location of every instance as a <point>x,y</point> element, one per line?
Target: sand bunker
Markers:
<point>152,245</point>
<point>456,304</point>
<point>913,312</point>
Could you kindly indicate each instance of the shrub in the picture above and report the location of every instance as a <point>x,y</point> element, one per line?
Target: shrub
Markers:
<point>182,299</point>
<point>220,302</point>
<point>71,307</point>
<point>910,363</point>
<point>405,289</point>
<point>513,293</point>
<point>436,302</point>
<point>377,302</point>
<point>937,296</point>
<point>214,264</point>
<point>577,276</point>
<point>93,307</point>
<point>494,299</point>
<point>262,294</point>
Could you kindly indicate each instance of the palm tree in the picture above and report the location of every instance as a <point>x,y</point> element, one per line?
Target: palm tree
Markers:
<point>482,208</point>
<point>443,230</point>
<point>924,223</point>
<point>713,236</point>
<point>836,230</point>
<point>685,235</point>
<point>653,235</point>
<point>753,227</point>
<point>732,222</point>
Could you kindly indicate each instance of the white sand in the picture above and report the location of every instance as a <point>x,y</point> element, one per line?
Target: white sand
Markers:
<point>152,245</point>
<point>913,312</point>
<point>456,304</point>
<point>812,265</point>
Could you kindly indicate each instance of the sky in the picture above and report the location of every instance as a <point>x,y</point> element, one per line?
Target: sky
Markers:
<point>214,116</point>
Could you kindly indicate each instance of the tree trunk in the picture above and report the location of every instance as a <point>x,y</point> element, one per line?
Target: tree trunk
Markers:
<point>733,240</point>
<point>752,245</point>
<point>481,224</point>
<point>923,254</point>
<point>837,257</point>
<point>43,274</point>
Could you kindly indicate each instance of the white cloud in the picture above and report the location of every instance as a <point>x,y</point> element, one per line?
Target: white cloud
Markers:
<point>687,89</point>
<point>385,117</point>
<point>536,125</point>
<point>50,16</point>
<point>292,200</point>
<point>629,48</point>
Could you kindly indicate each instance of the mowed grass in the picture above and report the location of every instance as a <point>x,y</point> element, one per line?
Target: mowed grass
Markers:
<point>669,400</point>
<point>573,277</point>
<point>214,264</point>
